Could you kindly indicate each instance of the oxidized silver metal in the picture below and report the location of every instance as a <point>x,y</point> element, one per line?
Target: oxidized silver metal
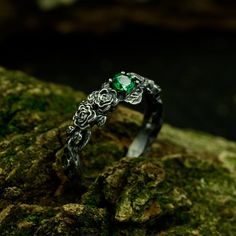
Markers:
<point>94,111</point>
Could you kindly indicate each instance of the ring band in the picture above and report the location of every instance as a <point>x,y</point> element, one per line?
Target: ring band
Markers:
<point>123,87</point>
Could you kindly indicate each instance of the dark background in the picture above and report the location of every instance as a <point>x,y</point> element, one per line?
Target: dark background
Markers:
<point>187,47</point>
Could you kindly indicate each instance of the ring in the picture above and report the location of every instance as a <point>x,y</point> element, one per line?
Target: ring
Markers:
<point>123,87</point>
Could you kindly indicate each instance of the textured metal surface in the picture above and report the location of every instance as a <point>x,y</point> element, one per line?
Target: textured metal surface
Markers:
<point>94,111</point>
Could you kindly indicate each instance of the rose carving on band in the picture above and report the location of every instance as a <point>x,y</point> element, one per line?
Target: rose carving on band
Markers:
<point>104,99</point>
<point>84,116</point>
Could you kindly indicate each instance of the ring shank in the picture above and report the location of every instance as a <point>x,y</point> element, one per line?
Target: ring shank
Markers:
<point>151,126</point>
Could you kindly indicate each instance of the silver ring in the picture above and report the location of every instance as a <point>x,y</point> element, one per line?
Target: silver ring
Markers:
<point>123,87</point>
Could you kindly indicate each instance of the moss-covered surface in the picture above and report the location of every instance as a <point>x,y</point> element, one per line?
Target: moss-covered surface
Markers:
<point>185,186</point>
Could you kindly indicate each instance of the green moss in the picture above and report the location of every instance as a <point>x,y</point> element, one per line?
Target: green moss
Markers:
<point>207,206</point>
<point>102,154</point>
<point>27,103</point>
<point>32,218</point>
<point>38,217</point>
<point>192,197</point>
<point>24,219</point>
<point>8,158</point>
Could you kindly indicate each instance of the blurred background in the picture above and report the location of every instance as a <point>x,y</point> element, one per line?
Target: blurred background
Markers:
<point>188,47</point>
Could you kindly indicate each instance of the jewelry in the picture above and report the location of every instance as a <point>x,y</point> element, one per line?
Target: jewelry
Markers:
<point>123,87</point>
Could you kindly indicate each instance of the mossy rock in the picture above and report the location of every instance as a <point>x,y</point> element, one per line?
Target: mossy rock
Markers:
<point>184,186</point>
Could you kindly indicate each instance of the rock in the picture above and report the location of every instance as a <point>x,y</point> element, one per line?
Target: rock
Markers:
<point>184,186</point>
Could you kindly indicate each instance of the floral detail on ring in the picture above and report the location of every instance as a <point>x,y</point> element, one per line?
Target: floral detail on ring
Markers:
<point>135,97</point>
<point>84,116</point>
<point>104,99</point>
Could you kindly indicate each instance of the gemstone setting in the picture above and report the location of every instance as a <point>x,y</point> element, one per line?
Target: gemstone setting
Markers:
<point>123,83</point>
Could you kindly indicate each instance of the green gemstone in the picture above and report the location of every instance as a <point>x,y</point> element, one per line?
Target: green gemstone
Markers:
<point>123,83</point>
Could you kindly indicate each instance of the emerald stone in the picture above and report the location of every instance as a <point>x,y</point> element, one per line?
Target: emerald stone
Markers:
<point>123,83</point>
